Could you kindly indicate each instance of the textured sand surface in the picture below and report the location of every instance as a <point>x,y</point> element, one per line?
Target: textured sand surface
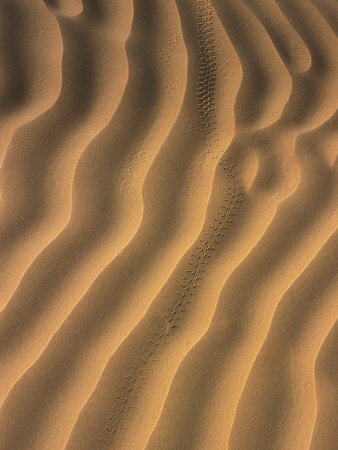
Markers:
<point>168,225</point>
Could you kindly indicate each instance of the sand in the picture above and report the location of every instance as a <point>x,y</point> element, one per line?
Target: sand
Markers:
<point>168,231</point>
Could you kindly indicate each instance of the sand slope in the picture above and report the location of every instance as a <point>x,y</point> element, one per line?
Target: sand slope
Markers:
<point>168,232</point>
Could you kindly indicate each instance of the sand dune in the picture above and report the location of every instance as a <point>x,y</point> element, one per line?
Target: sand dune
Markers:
<point>168,234</point>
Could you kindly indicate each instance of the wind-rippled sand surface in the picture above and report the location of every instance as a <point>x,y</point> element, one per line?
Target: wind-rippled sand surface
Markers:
<point>168,231</point>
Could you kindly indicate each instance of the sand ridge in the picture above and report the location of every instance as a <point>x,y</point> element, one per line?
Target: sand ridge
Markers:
<point>168,234</point>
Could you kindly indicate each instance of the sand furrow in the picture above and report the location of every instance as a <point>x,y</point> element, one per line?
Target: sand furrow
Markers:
<point>266,84</point>
<point>39,165</point>
<point>107,204</point>
<point>287,41</point>
<point>324,435</point>
<point>277,407</point>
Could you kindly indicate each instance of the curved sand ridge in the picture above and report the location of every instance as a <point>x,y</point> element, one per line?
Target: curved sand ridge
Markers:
<point>168,239</point>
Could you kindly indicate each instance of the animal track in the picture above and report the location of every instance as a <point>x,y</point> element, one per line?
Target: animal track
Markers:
<point>207,74</point>
<point>207,70</point>
<point>177,308</point>
<point>179,305</point>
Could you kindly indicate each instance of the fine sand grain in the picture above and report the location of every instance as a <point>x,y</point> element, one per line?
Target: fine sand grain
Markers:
<point>168,225</point>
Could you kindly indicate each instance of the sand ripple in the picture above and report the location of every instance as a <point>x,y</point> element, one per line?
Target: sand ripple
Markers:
<point>168,233</point>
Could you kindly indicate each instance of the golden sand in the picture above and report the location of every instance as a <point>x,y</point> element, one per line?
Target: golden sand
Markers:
<point>168,232</point>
